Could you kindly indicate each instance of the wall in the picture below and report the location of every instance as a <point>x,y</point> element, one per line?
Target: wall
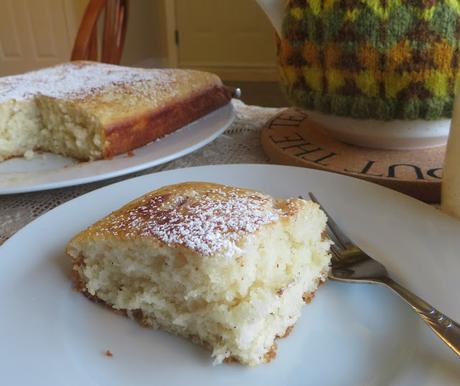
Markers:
<point>41,33</point>
<point>145,43</point>
<point>37,33</point>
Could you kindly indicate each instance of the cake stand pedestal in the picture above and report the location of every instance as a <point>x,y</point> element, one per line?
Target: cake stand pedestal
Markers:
<point>290,138</point>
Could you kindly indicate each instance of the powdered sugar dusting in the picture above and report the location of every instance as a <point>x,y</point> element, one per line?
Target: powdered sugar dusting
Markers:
<point>80,79</point>
<point>207,221</point>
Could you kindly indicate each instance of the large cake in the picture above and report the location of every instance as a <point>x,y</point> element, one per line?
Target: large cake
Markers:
<point>91,110</point>
<point>229,268</point>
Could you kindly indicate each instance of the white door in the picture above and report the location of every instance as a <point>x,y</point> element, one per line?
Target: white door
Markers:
<point>232,38</point>
<point>37,33</point>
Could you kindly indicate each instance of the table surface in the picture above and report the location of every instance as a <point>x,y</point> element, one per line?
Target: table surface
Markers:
<point>240,143</point>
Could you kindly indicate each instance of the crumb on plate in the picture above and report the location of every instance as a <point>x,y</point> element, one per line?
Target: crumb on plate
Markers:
<point>108,353</point>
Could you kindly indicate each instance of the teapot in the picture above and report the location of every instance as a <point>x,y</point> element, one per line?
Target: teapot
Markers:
<point>371,73</point>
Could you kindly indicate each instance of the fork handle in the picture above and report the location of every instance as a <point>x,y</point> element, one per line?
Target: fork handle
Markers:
<point>443,326</point>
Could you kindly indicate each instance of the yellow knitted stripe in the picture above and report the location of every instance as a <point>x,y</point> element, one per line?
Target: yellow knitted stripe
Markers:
<point>379,10</point>
<point>427,14</point>
<point>297,13</point>
<point>315,6</point>
<point>437,83</point>
<point>335,80</point>
<point>366,81</point>
<point>454,4</point>
<point>394,83</point>
<point>351,15</point>
<point>313,77</point>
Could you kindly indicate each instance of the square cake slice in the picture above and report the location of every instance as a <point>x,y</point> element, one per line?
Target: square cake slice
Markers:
<point>227,267</point>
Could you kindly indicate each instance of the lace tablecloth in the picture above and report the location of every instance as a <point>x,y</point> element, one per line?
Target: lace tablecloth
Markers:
<point>239,144</point>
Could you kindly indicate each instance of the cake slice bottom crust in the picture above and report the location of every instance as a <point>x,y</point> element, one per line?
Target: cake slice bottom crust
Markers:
<point>143,320</point>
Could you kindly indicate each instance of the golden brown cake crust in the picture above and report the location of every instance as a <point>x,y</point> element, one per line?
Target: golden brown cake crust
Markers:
<point>134,132</point>
<point>199,216</point>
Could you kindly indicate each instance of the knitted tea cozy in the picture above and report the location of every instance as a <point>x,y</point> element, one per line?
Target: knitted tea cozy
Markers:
<point>380,59</point>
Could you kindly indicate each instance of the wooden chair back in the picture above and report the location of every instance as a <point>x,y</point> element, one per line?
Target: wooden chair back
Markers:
<point>86,46</point>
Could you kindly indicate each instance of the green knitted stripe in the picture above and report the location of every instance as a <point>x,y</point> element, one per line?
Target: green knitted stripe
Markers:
<point>372,108</point>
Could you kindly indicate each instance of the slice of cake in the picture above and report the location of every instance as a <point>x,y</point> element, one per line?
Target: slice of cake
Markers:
<point>92,110</point>
<point>226,267</point>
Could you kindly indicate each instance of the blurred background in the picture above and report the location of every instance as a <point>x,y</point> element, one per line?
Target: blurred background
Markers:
<point>231,38</point>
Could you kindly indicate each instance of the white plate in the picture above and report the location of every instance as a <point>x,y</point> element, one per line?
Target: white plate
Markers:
<point>50,171</point>
<point>351,334</point>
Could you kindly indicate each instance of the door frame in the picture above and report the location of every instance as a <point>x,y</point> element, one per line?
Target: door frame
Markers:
<point>170,17</point>
<point>241,72</point>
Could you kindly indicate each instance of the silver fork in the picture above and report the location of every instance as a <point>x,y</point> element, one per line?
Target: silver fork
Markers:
<point>350,264</point>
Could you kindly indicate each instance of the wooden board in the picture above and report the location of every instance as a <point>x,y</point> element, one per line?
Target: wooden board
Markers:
<point>290,138</point>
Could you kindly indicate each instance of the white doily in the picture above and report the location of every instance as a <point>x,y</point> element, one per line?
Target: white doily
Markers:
<point>240,143</point>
